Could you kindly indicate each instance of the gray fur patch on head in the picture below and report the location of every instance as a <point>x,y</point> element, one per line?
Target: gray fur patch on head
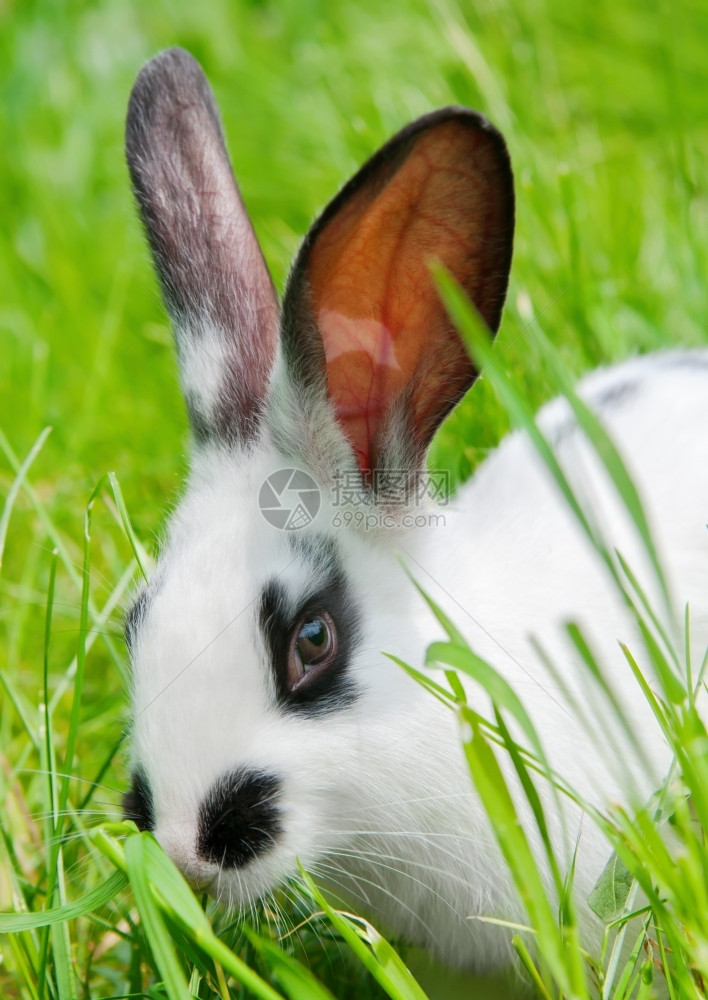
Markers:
<point>320,551</point>
<point>617,394</point>
<point>691,360</point>
<point>610,398</point>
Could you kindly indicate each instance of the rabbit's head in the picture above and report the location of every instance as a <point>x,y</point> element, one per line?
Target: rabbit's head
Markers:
<point>267,723</point>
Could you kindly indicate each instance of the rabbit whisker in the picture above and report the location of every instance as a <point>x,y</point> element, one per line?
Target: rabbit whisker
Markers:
<point>399,902</point>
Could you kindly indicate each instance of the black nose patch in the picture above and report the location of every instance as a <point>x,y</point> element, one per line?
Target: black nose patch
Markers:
<point>239,818</point>
<point>137,803</point>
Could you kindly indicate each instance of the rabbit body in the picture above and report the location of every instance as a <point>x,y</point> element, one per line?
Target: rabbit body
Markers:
<point>247,756</point>
<point>376,797</point>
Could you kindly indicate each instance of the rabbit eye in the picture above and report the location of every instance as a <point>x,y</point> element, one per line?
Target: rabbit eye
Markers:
<point>312,649</point>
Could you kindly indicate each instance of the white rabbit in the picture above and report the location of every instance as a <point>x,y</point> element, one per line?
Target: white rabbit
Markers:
<point>268,725</point>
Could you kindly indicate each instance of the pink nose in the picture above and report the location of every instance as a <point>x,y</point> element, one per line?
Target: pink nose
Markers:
<point>178,841</point>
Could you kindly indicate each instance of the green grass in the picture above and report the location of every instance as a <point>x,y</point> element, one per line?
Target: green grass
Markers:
<point>603,106</point>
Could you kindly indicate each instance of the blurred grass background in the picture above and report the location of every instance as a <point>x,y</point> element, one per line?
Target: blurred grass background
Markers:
<point>604,109</point>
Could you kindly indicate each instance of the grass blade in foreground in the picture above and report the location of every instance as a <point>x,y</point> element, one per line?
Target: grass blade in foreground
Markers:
<point>298,982</point>
<point>161,943</point>
<point>559,947</point>
<point>14,923</point>
<point>170,894</point>
<point>374,951</point>
<point>673,880</point>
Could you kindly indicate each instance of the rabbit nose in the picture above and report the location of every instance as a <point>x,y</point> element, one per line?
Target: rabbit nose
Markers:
<point>239,818</point>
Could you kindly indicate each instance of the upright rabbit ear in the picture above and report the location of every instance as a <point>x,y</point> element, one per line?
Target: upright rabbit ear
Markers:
<point>362,319</point>
<point>214,279</point>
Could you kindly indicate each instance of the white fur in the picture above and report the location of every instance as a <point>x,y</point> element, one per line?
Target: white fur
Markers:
<point>204,356</point>
<point>376,796</point>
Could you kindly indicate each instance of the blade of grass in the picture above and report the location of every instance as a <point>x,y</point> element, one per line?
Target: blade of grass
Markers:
<point>298,982</point>
<point>606,450</point>
<point>532,797</point>
<point>57,934</point>
<point>530,966</point>
<point>436,690</point>
<point>138,551</point>
<point>160,942</point>
<point>475,335</point>
<point>19,479</point>
<point>16,923</point>
<point>174,897</point>
<point>56,540</point>
<point>491,784</point>
<point>490,680</point>
<point>97,631</point>
<point>372,950</point>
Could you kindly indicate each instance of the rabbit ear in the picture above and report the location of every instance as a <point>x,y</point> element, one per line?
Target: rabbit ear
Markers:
<point>361,314</point>
<point>215,282</point>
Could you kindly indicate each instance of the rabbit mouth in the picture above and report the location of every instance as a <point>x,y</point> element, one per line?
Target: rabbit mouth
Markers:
<point>238,827</point>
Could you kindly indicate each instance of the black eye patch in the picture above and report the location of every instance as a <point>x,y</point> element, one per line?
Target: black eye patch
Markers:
<point>279,616</point>
<point>138,804</point>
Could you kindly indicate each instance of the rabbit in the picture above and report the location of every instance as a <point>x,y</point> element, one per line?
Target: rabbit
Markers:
<point>268,725</point>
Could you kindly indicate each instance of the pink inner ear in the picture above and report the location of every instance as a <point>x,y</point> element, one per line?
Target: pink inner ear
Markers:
<point>383,326</point>
<point>364,374</point>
